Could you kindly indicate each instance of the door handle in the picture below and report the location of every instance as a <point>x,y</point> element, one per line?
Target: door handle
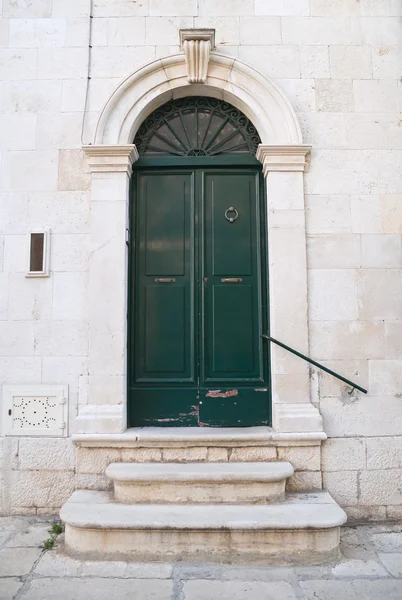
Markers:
<point>231,280</point>
<point>165,280</point>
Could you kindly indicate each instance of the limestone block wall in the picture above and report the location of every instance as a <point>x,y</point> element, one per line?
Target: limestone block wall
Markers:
<point>340,64</point>
<point>40,474</point>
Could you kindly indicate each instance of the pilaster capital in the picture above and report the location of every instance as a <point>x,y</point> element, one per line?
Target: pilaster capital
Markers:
<point>111,159</point>
<point>282,158</point>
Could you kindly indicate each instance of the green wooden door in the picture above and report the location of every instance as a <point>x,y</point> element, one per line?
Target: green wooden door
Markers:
<point>198,301</point>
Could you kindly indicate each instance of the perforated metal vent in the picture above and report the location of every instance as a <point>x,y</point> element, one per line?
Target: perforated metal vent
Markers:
<point>35,410</point>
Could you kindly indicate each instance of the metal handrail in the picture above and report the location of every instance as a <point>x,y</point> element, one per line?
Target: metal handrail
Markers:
<point>315,363</point>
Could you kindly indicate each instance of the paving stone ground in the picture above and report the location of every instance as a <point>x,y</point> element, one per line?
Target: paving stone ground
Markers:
<point>370,568</point>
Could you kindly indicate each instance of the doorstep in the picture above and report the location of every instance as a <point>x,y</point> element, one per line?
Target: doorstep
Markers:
<point>303,527</point>
<point>180,437</point>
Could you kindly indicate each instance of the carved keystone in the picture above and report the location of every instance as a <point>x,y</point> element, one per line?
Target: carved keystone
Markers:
<point>197,45</point>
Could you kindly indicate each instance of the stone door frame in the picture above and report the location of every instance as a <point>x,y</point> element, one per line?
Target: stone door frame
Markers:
<point>111,159</point>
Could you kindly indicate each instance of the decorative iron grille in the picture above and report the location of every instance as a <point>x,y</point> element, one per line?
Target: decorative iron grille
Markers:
<point>196,126</point>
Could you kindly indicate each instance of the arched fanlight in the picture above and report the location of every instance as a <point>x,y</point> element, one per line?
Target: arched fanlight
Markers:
<point>196,126</point>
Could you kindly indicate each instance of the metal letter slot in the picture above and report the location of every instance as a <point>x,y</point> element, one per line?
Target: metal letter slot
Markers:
<point>165,280</point>
<point>232,280</point>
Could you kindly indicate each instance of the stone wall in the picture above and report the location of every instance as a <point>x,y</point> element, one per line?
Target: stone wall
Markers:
<point>39,475</point>
<point>340,64</point>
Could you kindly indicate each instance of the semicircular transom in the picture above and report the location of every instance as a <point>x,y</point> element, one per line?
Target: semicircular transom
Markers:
<point>196,126</point>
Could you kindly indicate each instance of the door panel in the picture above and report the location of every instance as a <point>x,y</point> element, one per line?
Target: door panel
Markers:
<point>164,407</point>
<point>165,321</point>
<point>231,341</point>
<point>232,369</point>
<point>164,315</point>
<point>166,225</point>
<point>232,296</point>
<point>230,246</point>
<point>234,407</point>
<point>198,300</point>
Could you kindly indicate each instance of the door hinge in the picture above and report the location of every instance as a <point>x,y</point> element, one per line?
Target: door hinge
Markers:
<point>128,237</point>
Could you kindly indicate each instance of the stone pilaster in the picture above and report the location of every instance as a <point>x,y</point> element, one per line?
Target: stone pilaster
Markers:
<point>283,168</point>
<point>111,168</point>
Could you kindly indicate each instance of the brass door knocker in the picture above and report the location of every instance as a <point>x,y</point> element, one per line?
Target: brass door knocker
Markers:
<point>235,214</point>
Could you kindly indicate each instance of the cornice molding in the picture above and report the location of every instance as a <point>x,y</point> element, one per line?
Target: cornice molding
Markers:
<point>282,158</point>
<point>111,159</point>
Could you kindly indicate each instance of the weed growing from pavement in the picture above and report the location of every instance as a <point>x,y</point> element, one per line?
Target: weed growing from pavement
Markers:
<point>56,529</point>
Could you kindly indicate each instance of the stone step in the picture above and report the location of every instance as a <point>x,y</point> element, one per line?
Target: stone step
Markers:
<point>305,526</point>
<point>208,483</point>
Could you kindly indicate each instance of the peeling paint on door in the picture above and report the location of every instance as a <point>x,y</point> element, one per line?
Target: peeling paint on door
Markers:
<point>219,394</point>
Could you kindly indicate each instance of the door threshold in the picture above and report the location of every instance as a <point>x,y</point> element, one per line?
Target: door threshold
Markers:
<point>179,437</point>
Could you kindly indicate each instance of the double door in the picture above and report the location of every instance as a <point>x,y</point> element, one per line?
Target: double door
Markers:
<point>198,299</point>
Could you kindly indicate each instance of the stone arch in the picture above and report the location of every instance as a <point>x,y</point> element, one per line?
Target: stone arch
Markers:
<point>228,79</point>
